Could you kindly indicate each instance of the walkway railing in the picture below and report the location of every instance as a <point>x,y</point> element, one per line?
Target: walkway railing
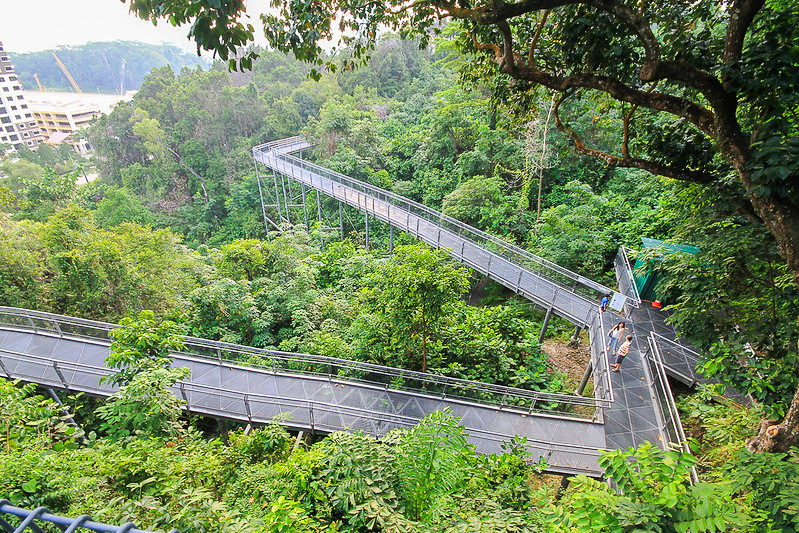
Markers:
<point>624,274</point>
<point>599,359</point>
<point>682,360</point>
<point>26,520</point>
<point>453,389</point>
<point>669,418</point>
<point>313,415</point>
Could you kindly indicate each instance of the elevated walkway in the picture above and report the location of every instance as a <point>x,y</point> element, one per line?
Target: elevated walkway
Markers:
<point>636,412</point>
<point>319,394</point>
<point>568,294</point>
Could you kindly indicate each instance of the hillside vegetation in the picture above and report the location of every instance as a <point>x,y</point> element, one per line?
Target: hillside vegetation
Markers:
<point>172,241</point>
<point>97,67</point>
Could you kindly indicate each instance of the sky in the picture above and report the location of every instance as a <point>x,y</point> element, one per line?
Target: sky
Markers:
<point>33,25</point>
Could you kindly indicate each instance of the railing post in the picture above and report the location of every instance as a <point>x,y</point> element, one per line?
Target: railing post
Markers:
<point>247,407</point>
<point>3,366</point>
<point>30,321</point>
<point>60,375</point>
<point>57,328</point>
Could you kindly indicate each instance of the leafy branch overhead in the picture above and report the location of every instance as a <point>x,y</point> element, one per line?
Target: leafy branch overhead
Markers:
<point>707,92</point>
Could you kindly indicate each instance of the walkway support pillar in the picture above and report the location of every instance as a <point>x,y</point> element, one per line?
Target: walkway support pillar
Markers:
<point>305,209</point>
<point>586,376</point>
<point>545,324</point>
<point>391,239</point>
<point>367,231</point>
<point>564,484</point>
<point>261,195</point>
<point>277,197</point>
<point>341,220</point>
<point>285,197</point>
<point>574,341</point>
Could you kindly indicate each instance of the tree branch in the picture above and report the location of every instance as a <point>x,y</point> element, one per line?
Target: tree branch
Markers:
<point>653,167</point>
<point>742,13</point>
<point>534,41</point>
<point>697,115</point>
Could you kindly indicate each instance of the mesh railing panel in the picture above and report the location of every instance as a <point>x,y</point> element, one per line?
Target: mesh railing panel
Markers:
<point>320,366</point>
<point>18,520</point>
<point>624,275</point>
<point>669,417</point>
<point>324,415</point>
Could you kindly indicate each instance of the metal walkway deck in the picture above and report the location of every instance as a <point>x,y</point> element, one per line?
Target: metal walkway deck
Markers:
<point>69,353</point>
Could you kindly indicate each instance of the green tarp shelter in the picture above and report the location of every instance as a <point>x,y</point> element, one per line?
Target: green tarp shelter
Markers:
<point>646,274</point>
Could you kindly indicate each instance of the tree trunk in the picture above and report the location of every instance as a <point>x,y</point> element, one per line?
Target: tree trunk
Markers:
<point>778,437</point>
<point>781,218</point>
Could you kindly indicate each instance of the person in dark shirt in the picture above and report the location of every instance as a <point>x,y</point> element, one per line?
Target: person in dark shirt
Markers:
<point>624,349</point>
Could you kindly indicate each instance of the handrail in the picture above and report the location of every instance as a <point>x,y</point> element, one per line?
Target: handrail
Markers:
<point>435,217</point>
<point>673,423</point>
<point>296,363</point>
<point>599,358</point>
<point>29,518</point>
<point>626,278</point>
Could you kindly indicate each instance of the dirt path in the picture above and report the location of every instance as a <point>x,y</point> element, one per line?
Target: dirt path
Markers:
<point>571,361</point>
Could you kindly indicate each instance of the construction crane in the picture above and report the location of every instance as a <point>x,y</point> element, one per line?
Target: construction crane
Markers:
<point>36,77</point>
<point>67,74</point>
<point>122,79</point>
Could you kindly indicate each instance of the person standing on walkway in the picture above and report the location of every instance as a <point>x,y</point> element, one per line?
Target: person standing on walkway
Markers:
<point>624,349</point>
<point>616,334</point>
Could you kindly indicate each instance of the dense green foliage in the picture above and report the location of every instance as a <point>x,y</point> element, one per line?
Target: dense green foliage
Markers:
<point>97,67</point>
<point>172,235</point>
<point>163,473</point>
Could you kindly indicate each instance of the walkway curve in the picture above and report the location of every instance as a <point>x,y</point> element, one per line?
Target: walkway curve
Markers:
<point>69,353</point>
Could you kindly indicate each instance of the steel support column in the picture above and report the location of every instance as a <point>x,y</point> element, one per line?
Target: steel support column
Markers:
<point>574,341</point>
<point>341,220</point>
<point>285,197</point>
<point>390,239</point>
<point>305,209</point>
<point>277,196</point>
<point>545,324</point>
<point>260,194</point>
<point>367,231</point>
<point>586,376</point>
<point>564,484</point>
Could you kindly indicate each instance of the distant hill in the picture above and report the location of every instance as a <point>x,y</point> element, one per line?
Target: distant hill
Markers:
<point>96,67</point>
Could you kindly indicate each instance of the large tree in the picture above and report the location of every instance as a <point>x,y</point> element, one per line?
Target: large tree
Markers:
<point>708,91</point>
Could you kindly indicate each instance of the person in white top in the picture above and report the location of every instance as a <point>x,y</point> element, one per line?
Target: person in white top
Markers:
<point>616,334</point>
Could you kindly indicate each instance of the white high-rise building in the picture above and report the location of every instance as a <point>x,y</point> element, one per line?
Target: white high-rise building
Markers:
<point>18,126</point>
